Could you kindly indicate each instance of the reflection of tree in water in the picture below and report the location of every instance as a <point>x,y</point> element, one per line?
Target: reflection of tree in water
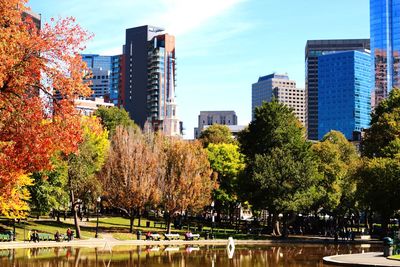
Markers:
<point>284,255</point>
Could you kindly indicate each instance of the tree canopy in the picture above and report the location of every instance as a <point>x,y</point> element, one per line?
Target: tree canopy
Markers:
<point>216,134</point>
<point>111,117</point>
<point>34,124</point>
<point>382,139</point>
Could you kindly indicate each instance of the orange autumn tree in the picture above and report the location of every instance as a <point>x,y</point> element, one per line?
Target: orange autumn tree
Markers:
<point>186,182</point>
<point>33,123</point>
<point>130,175</point>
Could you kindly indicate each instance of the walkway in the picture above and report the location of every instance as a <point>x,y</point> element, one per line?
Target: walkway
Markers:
<point>366,259</point>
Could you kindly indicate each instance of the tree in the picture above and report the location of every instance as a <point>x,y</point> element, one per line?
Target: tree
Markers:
<point>337,160</point>
<point>186,181</point>
<point>48,191</point>
<point>227,162</point>
<point>33,123</point>
<point>114,116</point>
<point>131,172</point>
<point>280,170</point>
<point>378,175</point>
<point>216,134</point>
<point>382,139</point>
<point>379,180</point>
<point>83,166</point>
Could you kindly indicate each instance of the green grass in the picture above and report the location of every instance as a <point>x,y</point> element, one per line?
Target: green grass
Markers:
<point>394,257</point>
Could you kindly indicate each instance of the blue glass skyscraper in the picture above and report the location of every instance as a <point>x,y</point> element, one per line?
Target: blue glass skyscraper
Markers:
<point>385,46</point>
<point>344,90</point>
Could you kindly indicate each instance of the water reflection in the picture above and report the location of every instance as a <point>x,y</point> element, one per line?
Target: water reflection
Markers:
<point>283,255</point>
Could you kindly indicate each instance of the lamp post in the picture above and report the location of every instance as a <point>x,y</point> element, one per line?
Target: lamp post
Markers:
<point>212,220</point>
<point>97,214</point>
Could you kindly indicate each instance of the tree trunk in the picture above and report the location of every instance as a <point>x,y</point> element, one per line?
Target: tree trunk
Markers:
<point>139,217</point>
<point>58,216</point>
<point>168,224</point>
<point>385,225</point>
<point>132,219</point>
<point>75,213</point>
<point>285,225</point>
<point>275,223</point>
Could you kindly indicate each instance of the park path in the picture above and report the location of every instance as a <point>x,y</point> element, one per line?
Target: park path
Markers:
<point>365,259</point>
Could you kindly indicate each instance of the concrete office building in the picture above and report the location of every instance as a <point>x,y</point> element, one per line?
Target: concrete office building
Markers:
<point>314,49</point>
<point>149,79</point>
<point>385,46</point>
<point>344,93</point>
<point>208,118</point>
<point>284,90</point>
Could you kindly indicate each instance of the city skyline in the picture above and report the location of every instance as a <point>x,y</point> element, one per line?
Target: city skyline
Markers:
<point>248,36</point>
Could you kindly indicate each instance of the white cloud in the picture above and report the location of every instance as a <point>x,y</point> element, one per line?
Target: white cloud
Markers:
<point>183,16</point>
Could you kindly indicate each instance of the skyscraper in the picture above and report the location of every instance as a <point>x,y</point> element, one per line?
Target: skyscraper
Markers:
<point>281,88</point>
<point>314,49</point>
<point>385,46</point>
<point>344,93</point>
<point>149,95</point>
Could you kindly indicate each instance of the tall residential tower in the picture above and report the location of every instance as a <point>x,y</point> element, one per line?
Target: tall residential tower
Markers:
<point>149,77</point>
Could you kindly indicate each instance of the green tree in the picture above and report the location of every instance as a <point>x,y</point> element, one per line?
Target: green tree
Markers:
<point>49,190</point>
<point>227,162</point>
<point>379,183</point>
<point>280,173</point>
<point>83,166</point>
<point>337,159</point>
<point>216,134</point>
<point>382,139</point>
<point>378,175</point>
<point>113,117</point>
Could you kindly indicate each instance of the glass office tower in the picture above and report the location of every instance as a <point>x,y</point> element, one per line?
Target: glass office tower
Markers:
<point>385,46</point>
<point>344,93</point>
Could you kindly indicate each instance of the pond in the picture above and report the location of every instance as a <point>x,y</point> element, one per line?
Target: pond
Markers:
<point>121,256</point>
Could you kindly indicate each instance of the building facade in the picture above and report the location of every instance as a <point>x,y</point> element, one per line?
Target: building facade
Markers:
<point>208,118</point>
<point>385,46</point>
<point>149,79</point>
<point>314,49</point>
<point>344,93</point>
<point>283,90</point>
<point>89,105</point>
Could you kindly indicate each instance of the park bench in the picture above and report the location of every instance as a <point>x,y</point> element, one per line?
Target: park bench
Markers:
<point>160,224</point>
<point>192,237</point>
<point>172,236</point>
<point>5,237</point>
<point>155,237</point>
<point>45,237</point>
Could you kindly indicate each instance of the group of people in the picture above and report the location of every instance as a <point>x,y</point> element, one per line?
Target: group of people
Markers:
<point>34,236</point>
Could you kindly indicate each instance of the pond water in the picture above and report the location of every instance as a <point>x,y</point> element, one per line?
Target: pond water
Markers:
<point>213,256</point>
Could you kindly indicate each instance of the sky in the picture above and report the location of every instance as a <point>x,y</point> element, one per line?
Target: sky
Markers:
<point>222,46</point>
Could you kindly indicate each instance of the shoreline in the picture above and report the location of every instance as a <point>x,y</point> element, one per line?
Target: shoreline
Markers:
<point>111,242</point>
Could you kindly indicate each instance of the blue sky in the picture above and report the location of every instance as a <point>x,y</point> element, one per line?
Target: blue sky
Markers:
<point>222,46</point>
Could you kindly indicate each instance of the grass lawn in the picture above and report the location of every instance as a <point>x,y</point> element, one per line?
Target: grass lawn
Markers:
<point>394,257</point>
